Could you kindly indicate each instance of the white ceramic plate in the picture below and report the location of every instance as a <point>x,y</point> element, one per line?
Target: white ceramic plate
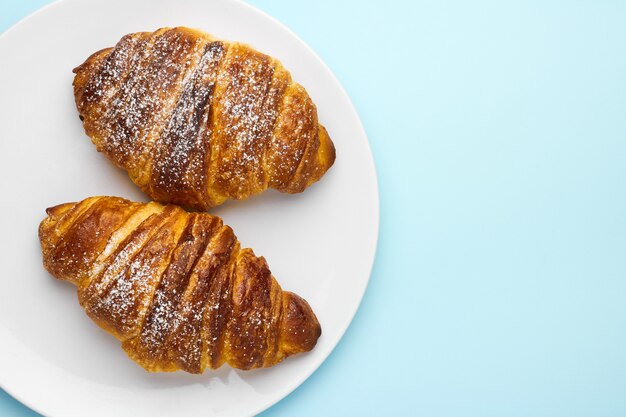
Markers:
<point>319,244</point>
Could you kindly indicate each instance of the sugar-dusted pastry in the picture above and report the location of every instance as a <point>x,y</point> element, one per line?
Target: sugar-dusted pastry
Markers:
<point>196,121</point>
<point>174,287</point>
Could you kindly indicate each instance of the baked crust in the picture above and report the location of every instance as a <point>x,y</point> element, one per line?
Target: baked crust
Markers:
<point>173,286</point>
<point>196,121</point>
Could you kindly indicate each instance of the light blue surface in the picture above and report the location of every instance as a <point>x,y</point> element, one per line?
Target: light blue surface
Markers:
<point>499,133</point>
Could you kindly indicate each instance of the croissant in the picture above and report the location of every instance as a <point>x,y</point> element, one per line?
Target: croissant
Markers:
<point>196,121</point>
<point>173,286</point>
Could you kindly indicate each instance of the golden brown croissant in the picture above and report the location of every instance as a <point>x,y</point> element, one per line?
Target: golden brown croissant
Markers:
<point>196,121</point>
<point>174,287</point>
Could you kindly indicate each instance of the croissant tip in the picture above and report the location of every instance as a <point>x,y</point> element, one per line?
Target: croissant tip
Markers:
<point>301,328</point>
<point>328,145</point>
<point>51,211</point>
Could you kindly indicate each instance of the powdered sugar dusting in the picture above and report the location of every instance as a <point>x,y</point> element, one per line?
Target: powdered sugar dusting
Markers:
<point>144,100</point>
<point>127,297</point>
<point>244,119</point>
<point>102,87</point>
<point>179,164</point>
<point>164,317</point>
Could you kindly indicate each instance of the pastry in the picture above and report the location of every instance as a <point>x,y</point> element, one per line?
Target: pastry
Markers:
<point>173,286</point>
<point>196,121</point>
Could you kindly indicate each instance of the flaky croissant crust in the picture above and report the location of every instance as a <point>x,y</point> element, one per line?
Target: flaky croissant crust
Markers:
<point>196,121</point>
<point>174,287</point>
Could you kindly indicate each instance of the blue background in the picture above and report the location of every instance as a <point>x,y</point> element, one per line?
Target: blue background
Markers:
<point>499,133</point>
